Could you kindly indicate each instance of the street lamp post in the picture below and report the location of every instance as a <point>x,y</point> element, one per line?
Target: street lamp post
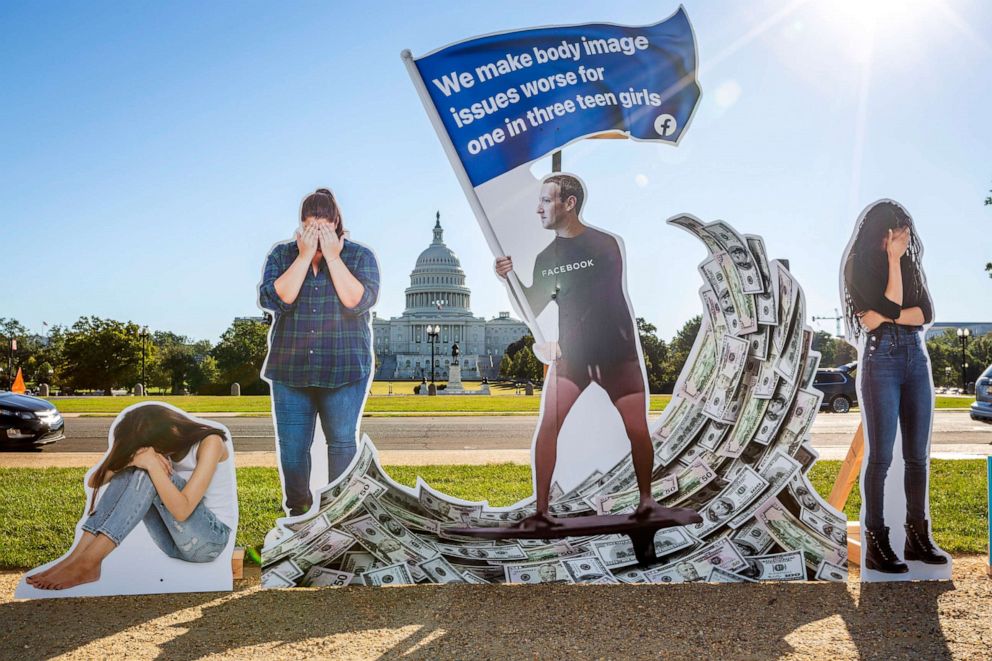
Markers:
<point>432,336</point>
<point>963,335</point>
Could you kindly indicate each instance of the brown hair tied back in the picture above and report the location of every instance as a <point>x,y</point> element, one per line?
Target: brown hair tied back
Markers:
<point>321,204</point>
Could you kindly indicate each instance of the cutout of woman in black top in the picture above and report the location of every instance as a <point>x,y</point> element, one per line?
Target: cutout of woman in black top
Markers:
<point>887,304</point>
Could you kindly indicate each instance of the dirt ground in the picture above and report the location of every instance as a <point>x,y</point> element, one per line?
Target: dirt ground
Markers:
<point>786,620</point>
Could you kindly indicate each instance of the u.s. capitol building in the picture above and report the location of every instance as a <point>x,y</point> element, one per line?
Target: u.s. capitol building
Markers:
<point>437,295</point>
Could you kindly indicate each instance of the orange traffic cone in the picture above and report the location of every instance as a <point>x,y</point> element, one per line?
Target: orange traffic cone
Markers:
<point>18,386</point>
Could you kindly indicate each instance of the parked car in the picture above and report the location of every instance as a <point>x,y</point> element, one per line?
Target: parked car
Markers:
<point>28,421</point>
<point>981,409</point>
<point>838,387</point>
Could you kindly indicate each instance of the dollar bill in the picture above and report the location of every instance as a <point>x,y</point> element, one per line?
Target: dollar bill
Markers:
<point>788,363</point>
<point>745,429</point>
<point>765,302</point>
<point>744,263</point>
<point>696,377</point>
<point>306,534</point>
<point>731,364</point>
<point>828,571</point>
<point>469,577</point>
<point>615,552</point>
<point>628,500</point>
<point>697,228</point>
<point>328,546</point>
<point>777,410</point>
<point>690,480</point>
<point>787,292</point>
<point>786,566</point>
<point>397,574</point>
<point>552,571</point>
<point>444,509</point>
<point>439,570</point>
<point>349,498</point>
<point>789,533</point>
<point>587,569</point>
<point>275,580</point>
<point>717,281</point>
<point>829,527</point>
<point>679,437</point>
<point>743,302</point>
<point>766,381</point>
<point>322,577</point>
<point>287,569</point>
<point>367,532</point>
<point>777,471</point>
<point>758,343</point>
<point>751,539</point>
<point>630,575</point>
<point>698,565</point>
<point>800,419</point>
<point>719,575</point>
<point>672,540</point>
<point>744,488</point>
<point>479,552</point>
<point>713,433</point>
<point>357,563</point>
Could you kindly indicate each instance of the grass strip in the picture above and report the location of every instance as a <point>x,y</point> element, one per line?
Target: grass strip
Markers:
<point>39,507</point>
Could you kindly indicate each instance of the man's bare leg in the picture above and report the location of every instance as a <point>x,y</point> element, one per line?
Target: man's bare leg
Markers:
<point>559,401</point>
<point>633,411</point>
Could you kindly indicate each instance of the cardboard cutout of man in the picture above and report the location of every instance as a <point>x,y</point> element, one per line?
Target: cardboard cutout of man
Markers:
<point>582,271</point>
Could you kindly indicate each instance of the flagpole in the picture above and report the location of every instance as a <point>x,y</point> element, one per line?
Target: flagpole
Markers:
<point>516,287</point>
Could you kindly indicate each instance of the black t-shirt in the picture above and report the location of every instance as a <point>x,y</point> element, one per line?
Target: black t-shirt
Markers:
<point>584,276</point>
<point>867,277</point>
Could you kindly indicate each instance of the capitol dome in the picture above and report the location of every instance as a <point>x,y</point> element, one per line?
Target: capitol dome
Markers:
<point>437,282</point>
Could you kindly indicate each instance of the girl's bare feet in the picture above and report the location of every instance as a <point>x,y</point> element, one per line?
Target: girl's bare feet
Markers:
<point>83,544</point>
<point>68,575</point>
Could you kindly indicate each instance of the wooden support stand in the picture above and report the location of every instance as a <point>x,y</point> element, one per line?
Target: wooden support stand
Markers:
<point>846,478</point>
<point>238,562</point>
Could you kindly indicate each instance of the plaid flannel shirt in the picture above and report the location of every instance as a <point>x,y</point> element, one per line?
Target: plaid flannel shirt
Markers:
<point>316,340</point>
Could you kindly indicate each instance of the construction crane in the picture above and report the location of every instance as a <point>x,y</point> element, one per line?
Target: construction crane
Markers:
<point>836,318</point>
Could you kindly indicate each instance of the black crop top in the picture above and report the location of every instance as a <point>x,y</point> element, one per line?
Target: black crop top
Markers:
<point>867,276</point>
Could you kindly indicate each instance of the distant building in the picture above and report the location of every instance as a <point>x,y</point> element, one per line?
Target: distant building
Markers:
<point>977,328</point>
<point>438,295</point>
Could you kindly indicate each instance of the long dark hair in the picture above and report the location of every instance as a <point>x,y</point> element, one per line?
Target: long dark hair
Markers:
<point>321,204</point>
<point>867,250</point>
<point>166,430</point>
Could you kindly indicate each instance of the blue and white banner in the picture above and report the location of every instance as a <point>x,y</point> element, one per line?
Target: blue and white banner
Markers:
<point>510,98</point>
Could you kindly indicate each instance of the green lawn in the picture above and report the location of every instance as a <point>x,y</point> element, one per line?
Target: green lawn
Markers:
<point>39,507</point>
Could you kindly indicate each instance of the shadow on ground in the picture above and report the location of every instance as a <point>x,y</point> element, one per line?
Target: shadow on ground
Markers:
<point>464,621</point>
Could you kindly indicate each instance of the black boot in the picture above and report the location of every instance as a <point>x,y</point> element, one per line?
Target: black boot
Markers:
<point>919,546</point>
<point>879,554</point>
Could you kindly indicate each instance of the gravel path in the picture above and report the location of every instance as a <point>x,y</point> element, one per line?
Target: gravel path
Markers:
<point>797,620</point>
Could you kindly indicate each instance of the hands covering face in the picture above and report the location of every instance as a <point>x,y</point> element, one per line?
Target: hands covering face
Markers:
<point>319,234</point>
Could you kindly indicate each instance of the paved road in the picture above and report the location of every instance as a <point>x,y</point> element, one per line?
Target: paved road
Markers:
<point>951,428</point>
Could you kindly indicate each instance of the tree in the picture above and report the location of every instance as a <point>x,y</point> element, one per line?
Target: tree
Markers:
<point>205,373</point>
<point>103,354</point>
<point>655,357</point>
<point>240,354</point>
<point>834,351</point>
<point>506,366</point>
<point>681,345</point>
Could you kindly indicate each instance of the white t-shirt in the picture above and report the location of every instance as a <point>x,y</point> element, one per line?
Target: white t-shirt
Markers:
<point>221,496</point>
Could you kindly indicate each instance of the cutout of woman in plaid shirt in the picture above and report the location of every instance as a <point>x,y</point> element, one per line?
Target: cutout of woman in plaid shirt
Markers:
<point>320,289</point>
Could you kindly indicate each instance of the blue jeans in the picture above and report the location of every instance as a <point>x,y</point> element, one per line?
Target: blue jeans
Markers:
<point>296,411</point>
<point>896,389</point>
<point>131,497</point>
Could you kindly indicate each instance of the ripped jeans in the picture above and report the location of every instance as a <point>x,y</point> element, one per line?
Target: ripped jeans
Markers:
<point>130,497</point>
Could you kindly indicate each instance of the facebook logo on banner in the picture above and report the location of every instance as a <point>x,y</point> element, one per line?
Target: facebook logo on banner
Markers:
<point>510,98</point>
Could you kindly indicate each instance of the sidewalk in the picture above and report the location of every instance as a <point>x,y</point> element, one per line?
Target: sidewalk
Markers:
<point>412,457</point>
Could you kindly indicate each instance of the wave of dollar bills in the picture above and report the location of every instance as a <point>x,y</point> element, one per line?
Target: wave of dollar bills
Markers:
<point>732,443</point>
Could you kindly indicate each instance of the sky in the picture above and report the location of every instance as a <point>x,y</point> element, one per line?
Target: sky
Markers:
<point>152,153</point>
